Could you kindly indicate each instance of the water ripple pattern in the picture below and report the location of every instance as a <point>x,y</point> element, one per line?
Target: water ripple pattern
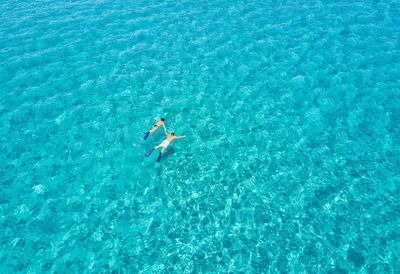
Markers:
<point>292,115</point>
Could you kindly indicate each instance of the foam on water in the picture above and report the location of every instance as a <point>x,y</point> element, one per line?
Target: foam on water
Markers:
<point>291,112</point>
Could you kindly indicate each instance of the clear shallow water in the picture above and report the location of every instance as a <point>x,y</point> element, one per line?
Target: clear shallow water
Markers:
<point>291,112</point>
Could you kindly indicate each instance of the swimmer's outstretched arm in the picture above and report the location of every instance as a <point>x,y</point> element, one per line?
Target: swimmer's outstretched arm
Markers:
<point>156,119</point>
<point>165,130</point>
<point>177,137</point>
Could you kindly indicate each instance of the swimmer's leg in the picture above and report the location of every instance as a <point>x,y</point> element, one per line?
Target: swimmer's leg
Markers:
<point>155,127</point>
<point>147,135</point>
<point>159,156</point>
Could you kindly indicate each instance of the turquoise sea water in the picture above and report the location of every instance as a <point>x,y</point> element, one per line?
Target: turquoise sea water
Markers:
<point>292,115</point>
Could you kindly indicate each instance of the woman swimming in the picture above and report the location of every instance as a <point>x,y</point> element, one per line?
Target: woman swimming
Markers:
<point>155,127</point>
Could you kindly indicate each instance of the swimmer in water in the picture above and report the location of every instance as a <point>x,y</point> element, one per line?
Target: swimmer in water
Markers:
<point>165,143</point>
<point>155,127</point>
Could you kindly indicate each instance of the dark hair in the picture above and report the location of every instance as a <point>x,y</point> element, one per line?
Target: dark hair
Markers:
<point>162,119</point>
<point>172,133</point>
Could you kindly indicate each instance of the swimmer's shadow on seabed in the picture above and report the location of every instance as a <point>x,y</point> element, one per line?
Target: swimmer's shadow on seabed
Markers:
<point>168,153</point>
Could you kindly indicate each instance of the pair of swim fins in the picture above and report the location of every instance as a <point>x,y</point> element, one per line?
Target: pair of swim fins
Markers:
<point>159,156</point>
<point>147,135</point>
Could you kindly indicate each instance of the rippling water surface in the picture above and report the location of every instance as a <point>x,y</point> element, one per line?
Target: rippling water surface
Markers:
<point>292,115</point>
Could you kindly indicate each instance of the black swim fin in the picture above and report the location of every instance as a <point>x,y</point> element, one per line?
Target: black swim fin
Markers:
<point>148,153</point>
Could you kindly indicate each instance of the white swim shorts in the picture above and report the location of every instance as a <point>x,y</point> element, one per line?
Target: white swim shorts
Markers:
<point>165,143</point>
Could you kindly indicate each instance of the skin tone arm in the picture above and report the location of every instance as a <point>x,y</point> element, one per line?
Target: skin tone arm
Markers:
<point>177,137</point>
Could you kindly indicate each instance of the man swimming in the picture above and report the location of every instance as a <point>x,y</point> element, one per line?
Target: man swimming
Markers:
<point>155,127</point>
<point>164,143</point>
